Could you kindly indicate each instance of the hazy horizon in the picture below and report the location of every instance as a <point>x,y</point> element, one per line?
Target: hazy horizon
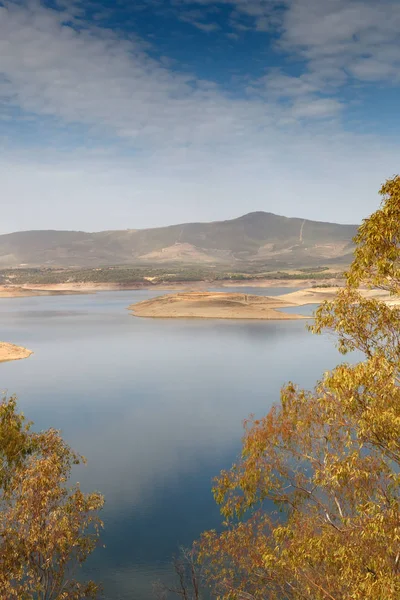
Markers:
<point>140,115</point>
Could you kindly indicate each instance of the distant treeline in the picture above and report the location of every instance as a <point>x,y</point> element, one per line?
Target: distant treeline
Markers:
<point>149,276</point>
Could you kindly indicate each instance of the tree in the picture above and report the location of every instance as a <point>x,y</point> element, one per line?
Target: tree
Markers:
<point>46,529</point>
<point>188,576</point>
<point>329,459</point>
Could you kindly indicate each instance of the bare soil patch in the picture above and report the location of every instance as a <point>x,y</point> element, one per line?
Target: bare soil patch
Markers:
<point>13,352</point>
<point>317,296</point>
<point>214,305</point>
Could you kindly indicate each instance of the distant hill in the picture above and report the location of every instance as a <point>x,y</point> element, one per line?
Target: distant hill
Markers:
<point>256,238</point>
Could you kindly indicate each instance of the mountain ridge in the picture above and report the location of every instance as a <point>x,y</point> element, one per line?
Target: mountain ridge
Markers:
<point>256,237</point>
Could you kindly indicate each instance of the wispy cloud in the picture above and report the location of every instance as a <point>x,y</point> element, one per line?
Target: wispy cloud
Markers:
<point>207,27</point>
<point>349,38</point>
<point>199,19</point>
<point>94,77</point>
<point>338,34</point>
<point>178,147</point>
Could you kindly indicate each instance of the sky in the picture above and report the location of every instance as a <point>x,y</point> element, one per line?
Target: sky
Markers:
<point>124,114</point>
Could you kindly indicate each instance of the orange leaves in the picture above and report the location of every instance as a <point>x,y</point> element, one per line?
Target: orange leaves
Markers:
<point>45,528</point>
<point>378,244</point>
<point>329,459</point>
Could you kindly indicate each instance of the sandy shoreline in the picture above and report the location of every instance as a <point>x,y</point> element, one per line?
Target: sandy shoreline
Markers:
<point>228,305</point>
<point>214,305</point>
<point>23,291</point>
<point>317,296</point>
<point>27,289</point>
<point>13,352</point>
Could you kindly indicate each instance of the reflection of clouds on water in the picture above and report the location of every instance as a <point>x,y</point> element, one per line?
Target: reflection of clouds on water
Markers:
<point>151,446</point>
<point>46,314</point>
<point>155,405</point>
<point>146,400</point>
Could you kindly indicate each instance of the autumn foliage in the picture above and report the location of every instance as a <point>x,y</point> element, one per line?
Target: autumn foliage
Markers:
<point>329,459</point>
<point>46,529</point>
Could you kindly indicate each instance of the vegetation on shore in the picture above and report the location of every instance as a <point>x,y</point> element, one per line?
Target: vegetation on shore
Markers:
<point>146,276</point>
<point>47,529</point>
<point>328,459</point>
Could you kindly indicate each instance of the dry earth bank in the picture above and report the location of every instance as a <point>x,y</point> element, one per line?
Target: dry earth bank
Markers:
<point>317,296</point>
<point>225,305</point>
<point>32,289</point>
<point>210,305</point>
<point>12,352</point>
<point>23,291</point>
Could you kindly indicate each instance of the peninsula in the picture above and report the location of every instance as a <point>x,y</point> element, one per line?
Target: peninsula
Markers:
<point>222,305</point>
<point>13,352</point>
<point>214,305</point>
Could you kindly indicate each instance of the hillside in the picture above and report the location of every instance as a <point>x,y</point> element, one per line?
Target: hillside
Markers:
<point>258,239</point>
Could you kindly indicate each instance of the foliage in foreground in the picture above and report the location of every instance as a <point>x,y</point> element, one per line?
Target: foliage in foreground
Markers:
<point>189,579</point>
<point>329,459</point>
<point>46,530</point>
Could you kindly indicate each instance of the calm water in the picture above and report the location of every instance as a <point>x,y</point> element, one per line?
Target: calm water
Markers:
<point>156,407</point>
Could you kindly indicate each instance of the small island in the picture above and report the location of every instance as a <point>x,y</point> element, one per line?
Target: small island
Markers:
<point>13,352</point>
<point>221,305</point>
<point>214,305</point>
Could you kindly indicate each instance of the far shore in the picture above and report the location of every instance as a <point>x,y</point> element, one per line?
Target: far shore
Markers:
<point>308,291</point>
<point>228,305</point>
<point>53,289</point>
<point>12,352</point>
<point>22,291</point>
<point>319,295</point>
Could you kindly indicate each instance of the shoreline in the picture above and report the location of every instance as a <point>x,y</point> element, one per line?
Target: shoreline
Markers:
<point>319,295</point>
<point>237,305</point>
<point>20,291</point>
<point>27,290</point>
<point>215,305</point>
<point>10,352</point>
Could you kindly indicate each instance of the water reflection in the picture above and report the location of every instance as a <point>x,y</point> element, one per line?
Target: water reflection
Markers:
<point>155,405</point>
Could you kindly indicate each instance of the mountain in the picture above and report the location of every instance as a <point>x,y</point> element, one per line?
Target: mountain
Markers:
<point>256,238</point>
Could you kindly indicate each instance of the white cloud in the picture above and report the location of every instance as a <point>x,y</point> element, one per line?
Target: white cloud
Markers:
<point>332,36</point>
<point>339,33</point>
<point>94,77</point>
<point>196,18</point>
<point>193,152</point>
<point>336,43</point>
<point>371,69</point>
<point>207,27</point>
<point>318,108</point>
<point>287,86</point>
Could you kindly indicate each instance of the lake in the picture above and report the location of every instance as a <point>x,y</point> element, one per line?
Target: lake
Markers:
<point>156,406</point>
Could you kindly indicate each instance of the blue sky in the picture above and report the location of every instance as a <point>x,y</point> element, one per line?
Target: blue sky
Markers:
<point>132,114</point>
